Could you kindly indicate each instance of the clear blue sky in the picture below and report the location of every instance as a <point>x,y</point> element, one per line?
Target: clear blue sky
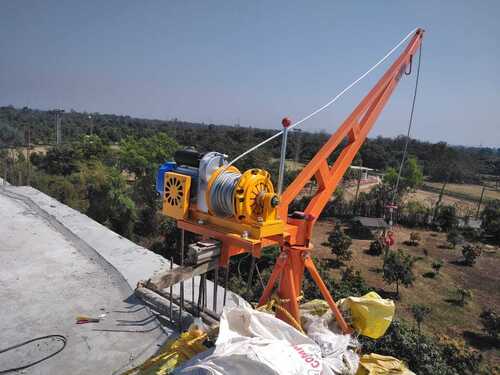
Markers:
<point>253,62</point>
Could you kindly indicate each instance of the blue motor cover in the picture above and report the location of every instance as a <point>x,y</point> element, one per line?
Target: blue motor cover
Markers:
<point>160,175</point>
<point>172,167</point>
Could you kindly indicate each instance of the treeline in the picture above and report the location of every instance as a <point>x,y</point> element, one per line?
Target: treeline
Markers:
<point>439,161</point>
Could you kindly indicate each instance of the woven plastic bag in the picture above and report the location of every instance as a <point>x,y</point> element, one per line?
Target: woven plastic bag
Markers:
<point>371,314</point>
<point>376,364</point>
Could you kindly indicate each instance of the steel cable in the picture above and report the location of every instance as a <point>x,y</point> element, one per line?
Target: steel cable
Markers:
<point>222,192</point>
<point>338,96</point>
<point>410,123</point>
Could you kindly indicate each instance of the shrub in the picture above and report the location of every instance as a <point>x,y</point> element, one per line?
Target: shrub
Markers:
<point>376,247</point>
<point>403,342</point>
<point>340,243</point>
<point>461,358</point>
<point>415,238</point>
<point>436,265</point>
<point>471,253</point>
<point>491,322</point>
<point>463,295</point>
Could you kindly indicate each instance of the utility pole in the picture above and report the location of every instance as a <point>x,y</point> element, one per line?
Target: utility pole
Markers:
<point>480,201</point>
<point>28,161</point>
<point>58,113</point>
<point>91,125</point>
<point>438,202</point>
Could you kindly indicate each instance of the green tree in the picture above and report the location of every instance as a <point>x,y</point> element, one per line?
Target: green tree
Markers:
<point>491,219</point>
<point>141,158</point>
<point>59,160</point>
<point>390,177</point>
<point>398,269</point>
<point>420,313</point>
<point>413,173</point>
<point>471,253</point>
<point>446,218</point>
<point>454,238</point>
<point>106,192</point>
<point>340,243</point>
<point>91,147</point>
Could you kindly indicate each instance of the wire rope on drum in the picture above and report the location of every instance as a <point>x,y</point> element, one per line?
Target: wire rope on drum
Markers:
<point>222,193</point>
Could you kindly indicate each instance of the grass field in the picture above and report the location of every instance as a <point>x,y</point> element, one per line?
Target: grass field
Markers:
<point>446,317</point>
<point>473,191</point>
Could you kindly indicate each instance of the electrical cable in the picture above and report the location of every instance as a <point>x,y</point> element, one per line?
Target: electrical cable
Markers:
<point>62,338</point>
<point>405,149</point>
<point>338,96</point>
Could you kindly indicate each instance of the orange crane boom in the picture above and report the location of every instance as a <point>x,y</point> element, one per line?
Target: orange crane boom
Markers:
<point>295,254</point>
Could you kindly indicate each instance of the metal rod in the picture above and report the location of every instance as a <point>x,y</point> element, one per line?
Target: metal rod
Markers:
<point>226,284</point>
<point>250,277</point>
<point>205,292</point>
<point>281,175</point>
<point>200,293</point>
<point>480,201</point>
<point>171,292</point>
<point>216,285</point>
<point>181,304</point>
<point>192,290</point>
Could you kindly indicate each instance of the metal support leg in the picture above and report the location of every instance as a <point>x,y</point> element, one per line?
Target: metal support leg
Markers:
<point>277,270</point>
<point>250,277</point>
<point>226,284</point>
<point>216,285</point>
<point>181,303</point>
<point>171,293</point>
<point>309,264</point>
<point>192,291</point>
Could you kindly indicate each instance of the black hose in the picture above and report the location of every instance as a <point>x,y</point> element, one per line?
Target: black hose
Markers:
<point>62,338</point>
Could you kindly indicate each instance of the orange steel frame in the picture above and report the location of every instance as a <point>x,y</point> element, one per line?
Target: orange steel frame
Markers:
<point>295,253</point>
<point>296,243</point>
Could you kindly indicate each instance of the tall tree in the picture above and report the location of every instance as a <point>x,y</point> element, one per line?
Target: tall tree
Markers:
<point>398,269</point>
<point>141,158</point>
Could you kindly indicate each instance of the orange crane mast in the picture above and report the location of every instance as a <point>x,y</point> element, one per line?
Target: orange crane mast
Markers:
<point>213,199</point>
<point>295,254</point>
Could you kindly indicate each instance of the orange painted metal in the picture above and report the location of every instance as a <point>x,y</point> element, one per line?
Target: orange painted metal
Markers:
<point>295,242</point>
<point>355,129</point>
<point>295,256</point>
<point>309,264</point>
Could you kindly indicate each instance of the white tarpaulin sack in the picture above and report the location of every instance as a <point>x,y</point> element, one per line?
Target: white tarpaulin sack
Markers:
<point>254,342</point>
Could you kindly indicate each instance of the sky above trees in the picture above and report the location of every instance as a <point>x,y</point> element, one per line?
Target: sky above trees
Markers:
<point>253,62</point>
